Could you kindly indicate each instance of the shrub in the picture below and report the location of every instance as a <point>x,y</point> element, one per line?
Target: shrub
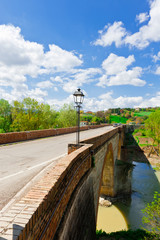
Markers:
<point>152,216</point>
<point>138,234</point>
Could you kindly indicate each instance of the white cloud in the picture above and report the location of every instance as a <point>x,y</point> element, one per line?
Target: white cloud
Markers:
<point>55,89</point>
<point>151,102</point>
<point>111,33</point>
<point>142,17</point>
<point>45,84</point>
<point>59,103</point>
<point>107,101</point>
<point>58,60</point>
<point>21,59</point>
<point>37,94</point>
<point>157,70</point>
<point>116,73</point>
<point>56,79</point>
<point>156,57</point>
<point>147,33</point>
<point>115,64</point>
<point>80,77</point>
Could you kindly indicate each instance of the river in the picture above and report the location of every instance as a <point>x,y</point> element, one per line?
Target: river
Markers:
<point>123,215</point>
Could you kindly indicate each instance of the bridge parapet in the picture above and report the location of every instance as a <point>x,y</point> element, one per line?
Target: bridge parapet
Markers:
<point>53,193</point>
<point>34,134</point>
<point>67,197</point>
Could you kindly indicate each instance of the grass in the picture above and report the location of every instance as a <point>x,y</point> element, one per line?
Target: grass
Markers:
<point>157,168</point>
<point>144,145</point>
<point>118,119</point>
<point>142,114</point>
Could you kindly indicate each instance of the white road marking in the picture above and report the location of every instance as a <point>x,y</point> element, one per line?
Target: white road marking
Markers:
<point>30,168</point>
<point>12,175</point>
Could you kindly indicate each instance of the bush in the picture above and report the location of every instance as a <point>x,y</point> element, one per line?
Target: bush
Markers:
<point>2,130</point>
<point>152,216</point>
<point>138,234</point>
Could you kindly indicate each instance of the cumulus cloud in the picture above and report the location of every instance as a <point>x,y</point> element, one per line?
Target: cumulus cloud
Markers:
<point>116,73</point>
<point>58,59</point>
<point>111,34</point>
<point>142,17</point>
<point>59,103</point>
<point>156,57</point>
<point>80,77</point>
<point>148,33</point>
<point>151,102</point>
<point>115,64</point>
<point>106,101</point>
<point>56,79</point>
<point>157,72</point>
<point>21,59</point>
<point>45,84</point>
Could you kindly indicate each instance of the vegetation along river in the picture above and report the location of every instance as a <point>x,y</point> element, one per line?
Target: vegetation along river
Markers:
<point>127,214</point>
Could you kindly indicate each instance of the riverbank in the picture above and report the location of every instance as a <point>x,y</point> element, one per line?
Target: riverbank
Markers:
<point>127,213</point>
<point>126,235</point>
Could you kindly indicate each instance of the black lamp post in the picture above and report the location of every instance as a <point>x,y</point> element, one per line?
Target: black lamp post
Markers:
<point>78,99</point>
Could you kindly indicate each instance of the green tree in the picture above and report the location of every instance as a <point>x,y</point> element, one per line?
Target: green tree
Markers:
<point>30,115</point>
<point>96,119</point>
<point>46,116</point>
<point>67,116</point>
<point>5,115</point>
<point>19,117</point>
<point>152,125</point>
<point>152,216</point>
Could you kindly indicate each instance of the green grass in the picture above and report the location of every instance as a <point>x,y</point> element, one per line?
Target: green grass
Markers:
<point>142,114</point>
<point>157,168</point>
<point>137,139</point>
<point>118,119</point>
<point>143,144</point>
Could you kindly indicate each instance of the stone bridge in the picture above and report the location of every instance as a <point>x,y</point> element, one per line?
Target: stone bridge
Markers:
<point>64,203</point>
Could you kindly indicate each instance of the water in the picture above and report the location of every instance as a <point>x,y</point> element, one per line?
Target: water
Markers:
<point>145,181</point>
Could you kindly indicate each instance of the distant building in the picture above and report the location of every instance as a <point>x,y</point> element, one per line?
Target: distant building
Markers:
<point>89,112</point>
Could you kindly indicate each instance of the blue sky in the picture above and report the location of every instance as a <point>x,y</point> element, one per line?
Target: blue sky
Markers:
<point>108,48</point>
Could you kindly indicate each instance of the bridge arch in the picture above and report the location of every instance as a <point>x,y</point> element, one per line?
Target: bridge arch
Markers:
<point>107,177</point>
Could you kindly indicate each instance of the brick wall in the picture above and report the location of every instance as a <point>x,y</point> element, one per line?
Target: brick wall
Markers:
<point>67,197</point>
<point>29,135</point>
<point>53,193</point>
<point>79,221</point>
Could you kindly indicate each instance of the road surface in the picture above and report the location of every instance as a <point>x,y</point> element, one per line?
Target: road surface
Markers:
<point>21,162</point>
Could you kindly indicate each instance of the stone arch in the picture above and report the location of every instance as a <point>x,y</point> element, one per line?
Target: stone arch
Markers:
<point>107,177</point>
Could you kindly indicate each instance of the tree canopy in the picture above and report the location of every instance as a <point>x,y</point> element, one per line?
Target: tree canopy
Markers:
<point>152,125</point>
<point>31,115</point>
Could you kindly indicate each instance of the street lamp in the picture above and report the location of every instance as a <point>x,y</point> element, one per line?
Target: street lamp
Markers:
<point>78,99</point>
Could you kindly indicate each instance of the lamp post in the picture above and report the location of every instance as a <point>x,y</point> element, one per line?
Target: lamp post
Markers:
<point>78,99</point>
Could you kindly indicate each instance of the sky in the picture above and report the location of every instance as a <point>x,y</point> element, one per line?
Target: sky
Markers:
<point>108,48</point>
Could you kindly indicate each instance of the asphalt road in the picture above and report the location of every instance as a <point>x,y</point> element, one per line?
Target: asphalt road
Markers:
<point>21,162</point>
